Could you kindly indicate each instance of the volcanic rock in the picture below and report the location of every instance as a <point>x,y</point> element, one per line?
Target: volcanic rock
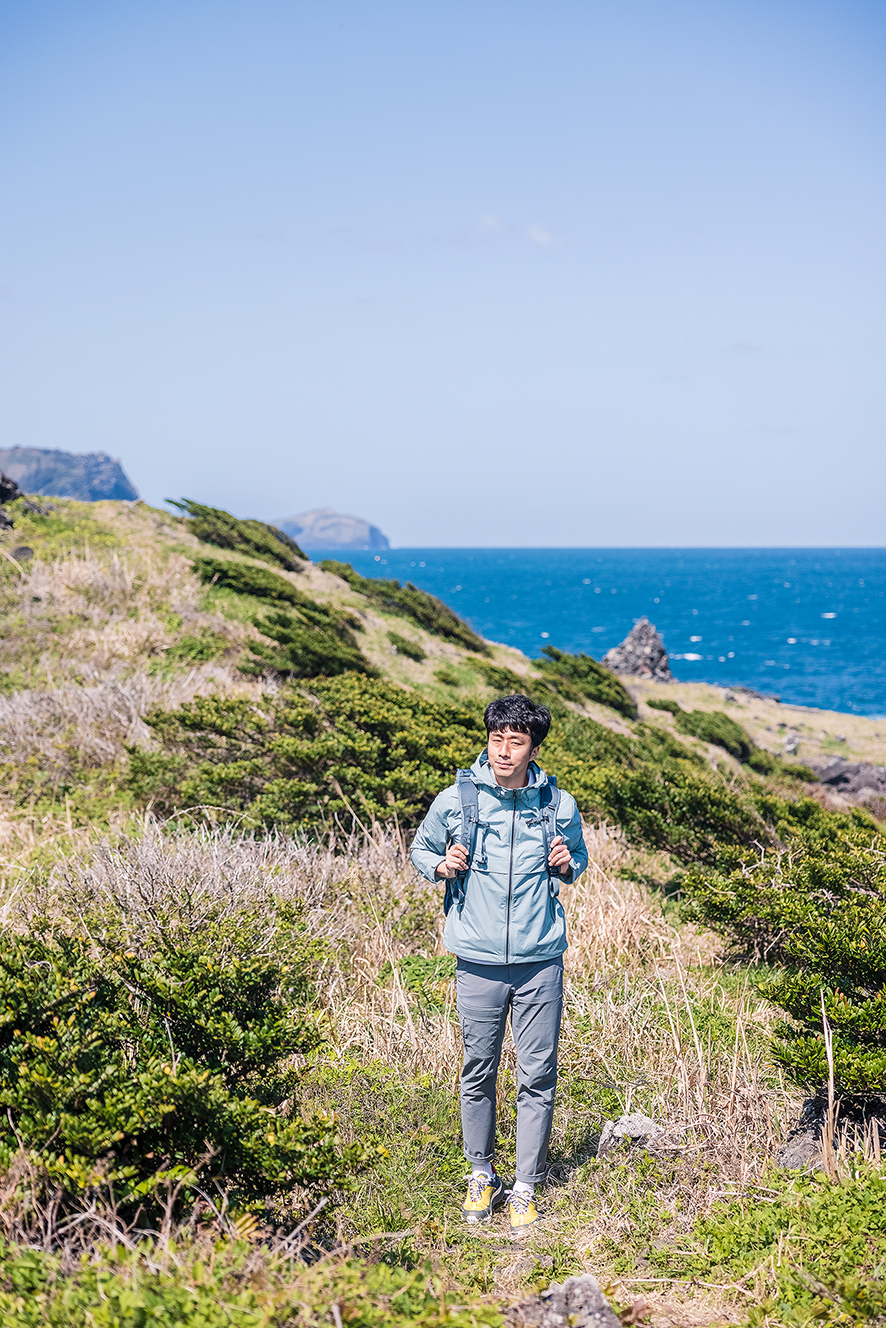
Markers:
<point>578,1302</point>
<point>641,654</point>
<point>633,1127</point>
<point>8,488</point>
<point>854,778</point>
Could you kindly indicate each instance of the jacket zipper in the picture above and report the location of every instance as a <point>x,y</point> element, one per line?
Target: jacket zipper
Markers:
<point>510,882</point>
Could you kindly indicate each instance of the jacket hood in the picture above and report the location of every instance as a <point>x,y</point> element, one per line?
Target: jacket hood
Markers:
<point>484,774</point>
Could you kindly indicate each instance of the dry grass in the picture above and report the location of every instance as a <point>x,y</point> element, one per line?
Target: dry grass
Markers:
<point>652,1022</point>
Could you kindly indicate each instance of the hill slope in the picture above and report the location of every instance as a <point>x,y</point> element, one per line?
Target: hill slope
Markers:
<point>212,751</point>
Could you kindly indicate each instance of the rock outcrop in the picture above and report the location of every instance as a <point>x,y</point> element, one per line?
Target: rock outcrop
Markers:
<point>88,476</point>
<point>324,528</point>
<point>578,1303</point>
<point>856,779</point>
<point>641,654</point>
<point>8,490</point>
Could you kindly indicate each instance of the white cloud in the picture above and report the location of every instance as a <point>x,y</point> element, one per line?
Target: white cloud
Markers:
<point>541,236</point>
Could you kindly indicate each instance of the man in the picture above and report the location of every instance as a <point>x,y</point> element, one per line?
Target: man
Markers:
<point>507,927</point>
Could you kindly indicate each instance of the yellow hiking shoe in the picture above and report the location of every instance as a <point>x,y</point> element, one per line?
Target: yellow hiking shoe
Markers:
<point>485,1194</point>
<point>523,1212</point>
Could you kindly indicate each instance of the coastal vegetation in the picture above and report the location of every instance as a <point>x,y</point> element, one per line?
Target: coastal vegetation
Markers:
<point>228,1048</point>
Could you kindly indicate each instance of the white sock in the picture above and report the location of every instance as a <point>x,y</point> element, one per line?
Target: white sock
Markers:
<point>523,1187</point>
<point>482,1168</point>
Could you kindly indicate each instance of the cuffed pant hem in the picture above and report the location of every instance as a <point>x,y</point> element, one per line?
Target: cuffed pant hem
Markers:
<point>529,1180</point>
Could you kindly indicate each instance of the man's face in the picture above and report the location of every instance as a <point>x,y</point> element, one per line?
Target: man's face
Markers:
<point>509,755</point>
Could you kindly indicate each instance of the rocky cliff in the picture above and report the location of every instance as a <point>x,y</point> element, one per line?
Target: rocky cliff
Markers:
<point>324,528</point>
<point>88,476</point>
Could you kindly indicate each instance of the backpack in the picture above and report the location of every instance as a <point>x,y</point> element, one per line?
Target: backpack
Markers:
<point>469,802</point>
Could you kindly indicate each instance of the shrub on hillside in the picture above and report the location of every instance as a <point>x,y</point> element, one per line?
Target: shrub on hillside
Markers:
<point>581,677</point>
<point>352,747</point>
<point>247,579</point>
<point>814,905</point>
<point>212,525</point>
<point>313,641</point>
<point>404,646</point>
<point>715,727</point>
<point>365,748</point>
<point>141,1071</point>
<point>310,641</point>
<point>410,602</point>
<point>664,703</point>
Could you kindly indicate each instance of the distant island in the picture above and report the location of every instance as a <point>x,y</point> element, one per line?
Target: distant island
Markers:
<point>324,528</point>
<point>87,476</point>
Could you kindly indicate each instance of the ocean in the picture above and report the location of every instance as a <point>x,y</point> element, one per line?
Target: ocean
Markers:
<point>803,624</point>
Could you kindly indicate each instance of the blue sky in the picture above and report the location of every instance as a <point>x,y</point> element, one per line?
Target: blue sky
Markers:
<point>485,273</point>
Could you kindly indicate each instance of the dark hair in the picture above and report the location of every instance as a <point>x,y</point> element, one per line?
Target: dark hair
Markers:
<point>517,712</point>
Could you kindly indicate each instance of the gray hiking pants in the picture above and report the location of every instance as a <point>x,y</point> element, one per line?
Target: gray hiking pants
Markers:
<point>533,994</point>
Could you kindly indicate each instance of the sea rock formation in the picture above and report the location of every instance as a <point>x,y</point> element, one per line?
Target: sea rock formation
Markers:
<point>88,476</point>
<point>324,528</point>
<point>641,654</point>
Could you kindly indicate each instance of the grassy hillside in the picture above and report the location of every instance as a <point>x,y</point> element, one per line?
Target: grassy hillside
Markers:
<point>229,1059</point>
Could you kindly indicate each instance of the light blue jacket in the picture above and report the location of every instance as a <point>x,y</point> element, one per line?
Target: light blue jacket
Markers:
<point>509,915</point>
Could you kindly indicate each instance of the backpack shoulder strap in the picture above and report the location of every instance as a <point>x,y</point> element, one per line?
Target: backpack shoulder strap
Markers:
<point>469,805</point>
<point>548,806</point>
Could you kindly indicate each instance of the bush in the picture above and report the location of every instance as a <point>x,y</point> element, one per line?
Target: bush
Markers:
<point>226,1284</point>
<point>247,579</point>
<point>410,602</point>
<point>815,906</point>
<point>352,746</point>
<point>403,646</point>
<point>578,677</point>
<point>502,680</point>
<point>824,1242</point>
<point>315,641</point>
<point>214,526</point>
<point>715,727</point>
<point>662,703</point>
<point>144,1070</point>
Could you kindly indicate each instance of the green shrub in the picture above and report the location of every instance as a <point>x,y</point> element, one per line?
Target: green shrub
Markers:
<point>403,646</point>
<point>715,727</point>
<point>447,675</point>
<point>226,1284</point>
<point>582,678</point>
<point>671,807</point>
<point>247,579</point>
<point>256,538</point>
<point>312,642</point>
<point>343,747</point>
<point>410,602</point>
<point>140,1070</point>
<point>814,905</point>
<point>662,703</point>
<point>502,680</point>
<point>197,648</point>
<point>820,1245</point>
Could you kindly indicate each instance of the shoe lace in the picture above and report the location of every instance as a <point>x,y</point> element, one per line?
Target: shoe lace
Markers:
<point>476,1186</point>
<point>520,1201</point>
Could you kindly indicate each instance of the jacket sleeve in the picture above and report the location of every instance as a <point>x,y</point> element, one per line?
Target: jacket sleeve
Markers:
<point>574,841</point>
<point>431,838</point>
